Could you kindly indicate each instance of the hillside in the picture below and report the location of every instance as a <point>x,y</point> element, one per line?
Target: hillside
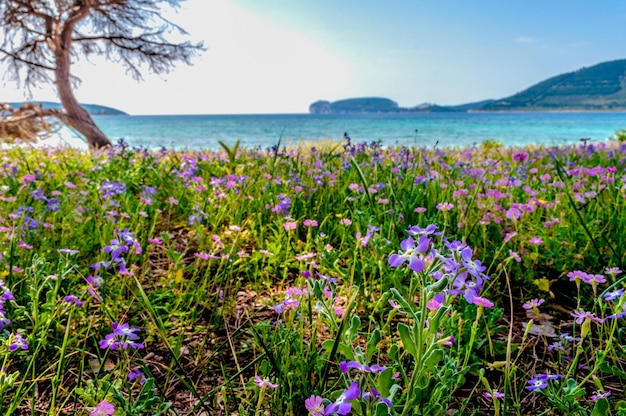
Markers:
<point>600,87</point>
<point>94,109</point>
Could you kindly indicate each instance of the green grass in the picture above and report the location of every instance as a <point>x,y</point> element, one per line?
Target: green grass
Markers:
<point>281,265</point>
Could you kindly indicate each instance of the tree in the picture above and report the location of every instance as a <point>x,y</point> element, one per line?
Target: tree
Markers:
<point>42,38</point>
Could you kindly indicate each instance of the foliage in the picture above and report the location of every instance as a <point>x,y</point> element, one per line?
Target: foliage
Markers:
<point>346,278</point>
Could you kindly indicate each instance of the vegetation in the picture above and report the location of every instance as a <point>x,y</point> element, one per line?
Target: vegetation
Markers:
<point>348,279</point>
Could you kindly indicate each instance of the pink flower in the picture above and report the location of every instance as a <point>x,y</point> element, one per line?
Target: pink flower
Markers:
<point>22,244</point>
<point>290,225</point>
<point>495,395</point>
<point>479,301</point>
<point>536,240</point>
<point>309,223</point>
<point>533,303</point>
<point>445,206</point>
<point>314,405</point>
<point>103,408</point>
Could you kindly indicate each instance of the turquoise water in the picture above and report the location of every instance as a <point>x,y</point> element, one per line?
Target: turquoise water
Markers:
<point>424,129</point>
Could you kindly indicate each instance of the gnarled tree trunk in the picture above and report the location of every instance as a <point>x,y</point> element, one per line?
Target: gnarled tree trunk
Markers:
<point>75,115</point>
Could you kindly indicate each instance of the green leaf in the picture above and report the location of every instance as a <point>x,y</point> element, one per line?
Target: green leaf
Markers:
<point>601,408</point>
<point>433,358</point>
<point>606,367</point>
<point>372,344</point>
<point>406,307</point>
<point>385,381</point>
<point>355,324</point>
<point>407,340</point>
<point>382,409</point>
<point>438,285</point>
<point>343,349</point>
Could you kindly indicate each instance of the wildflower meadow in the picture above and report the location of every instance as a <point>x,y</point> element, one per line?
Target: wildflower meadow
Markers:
<point>347,279</point>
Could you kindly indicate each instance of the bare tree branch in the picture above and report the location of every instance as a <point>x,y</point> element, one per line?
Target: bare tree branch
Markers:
<point>24,61</point>
<point>39,38</point>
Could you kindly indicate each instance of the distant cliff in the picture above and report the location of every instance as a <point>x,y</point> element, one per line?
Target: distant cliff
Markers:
<point>93,109</point>
<point>354,105</point>
<point>601,87</point>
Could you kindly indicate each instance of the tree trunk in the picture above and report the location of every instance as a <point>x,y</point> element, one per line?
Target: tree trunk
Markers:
<point>76,116</point>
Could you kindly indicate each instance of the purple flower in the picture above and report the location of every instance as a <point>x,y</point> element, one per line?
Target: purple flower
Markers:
<point>345,366</point>
<point>536,240</point>
<point>374,394</point>
<point>110,341</point>
<point>73,299</point>
<point>612,271</point>
<point>136,374</point>
<point>124,330</point>
<point>416,230</point>
<point>520,157</point>
<point>4,321</point>
<point>581,316</point>
<point>593,279</point>
<point>598,396</point>
<point>264,382</point>
<point>342,405</point>
<point>576,276</point>
<point>110,188</point>
<point>315,406</point>
<point>410,254</point>
<point>121,338</point>
<point>103,408</point>
<point>533,303</point>
<point>116,249</point>
<point>17,341</point>
<point>539,382</point>
<point>613,295</point>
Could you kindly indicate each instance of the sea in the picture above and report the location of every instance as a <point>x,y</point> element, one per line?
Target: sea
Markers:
<point>199,132</point>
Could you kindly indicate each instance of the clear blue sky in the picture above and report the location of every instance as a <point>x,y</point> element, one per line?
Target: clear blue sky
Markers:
<point>271,56</point>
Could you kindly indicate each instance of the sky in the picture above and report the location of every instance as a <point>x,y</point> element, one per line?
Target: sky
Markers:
<point>279,56</point>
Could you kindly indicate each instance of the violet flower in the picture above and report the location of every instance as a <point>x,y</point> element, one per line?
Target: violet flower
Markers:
<point>410,254</point>
<point>342,405</point>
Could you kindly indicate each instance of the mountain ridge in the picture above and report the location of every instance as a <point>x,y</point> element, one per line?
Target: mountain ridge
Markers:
<point>93,109</point>
<point>601,87</point>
